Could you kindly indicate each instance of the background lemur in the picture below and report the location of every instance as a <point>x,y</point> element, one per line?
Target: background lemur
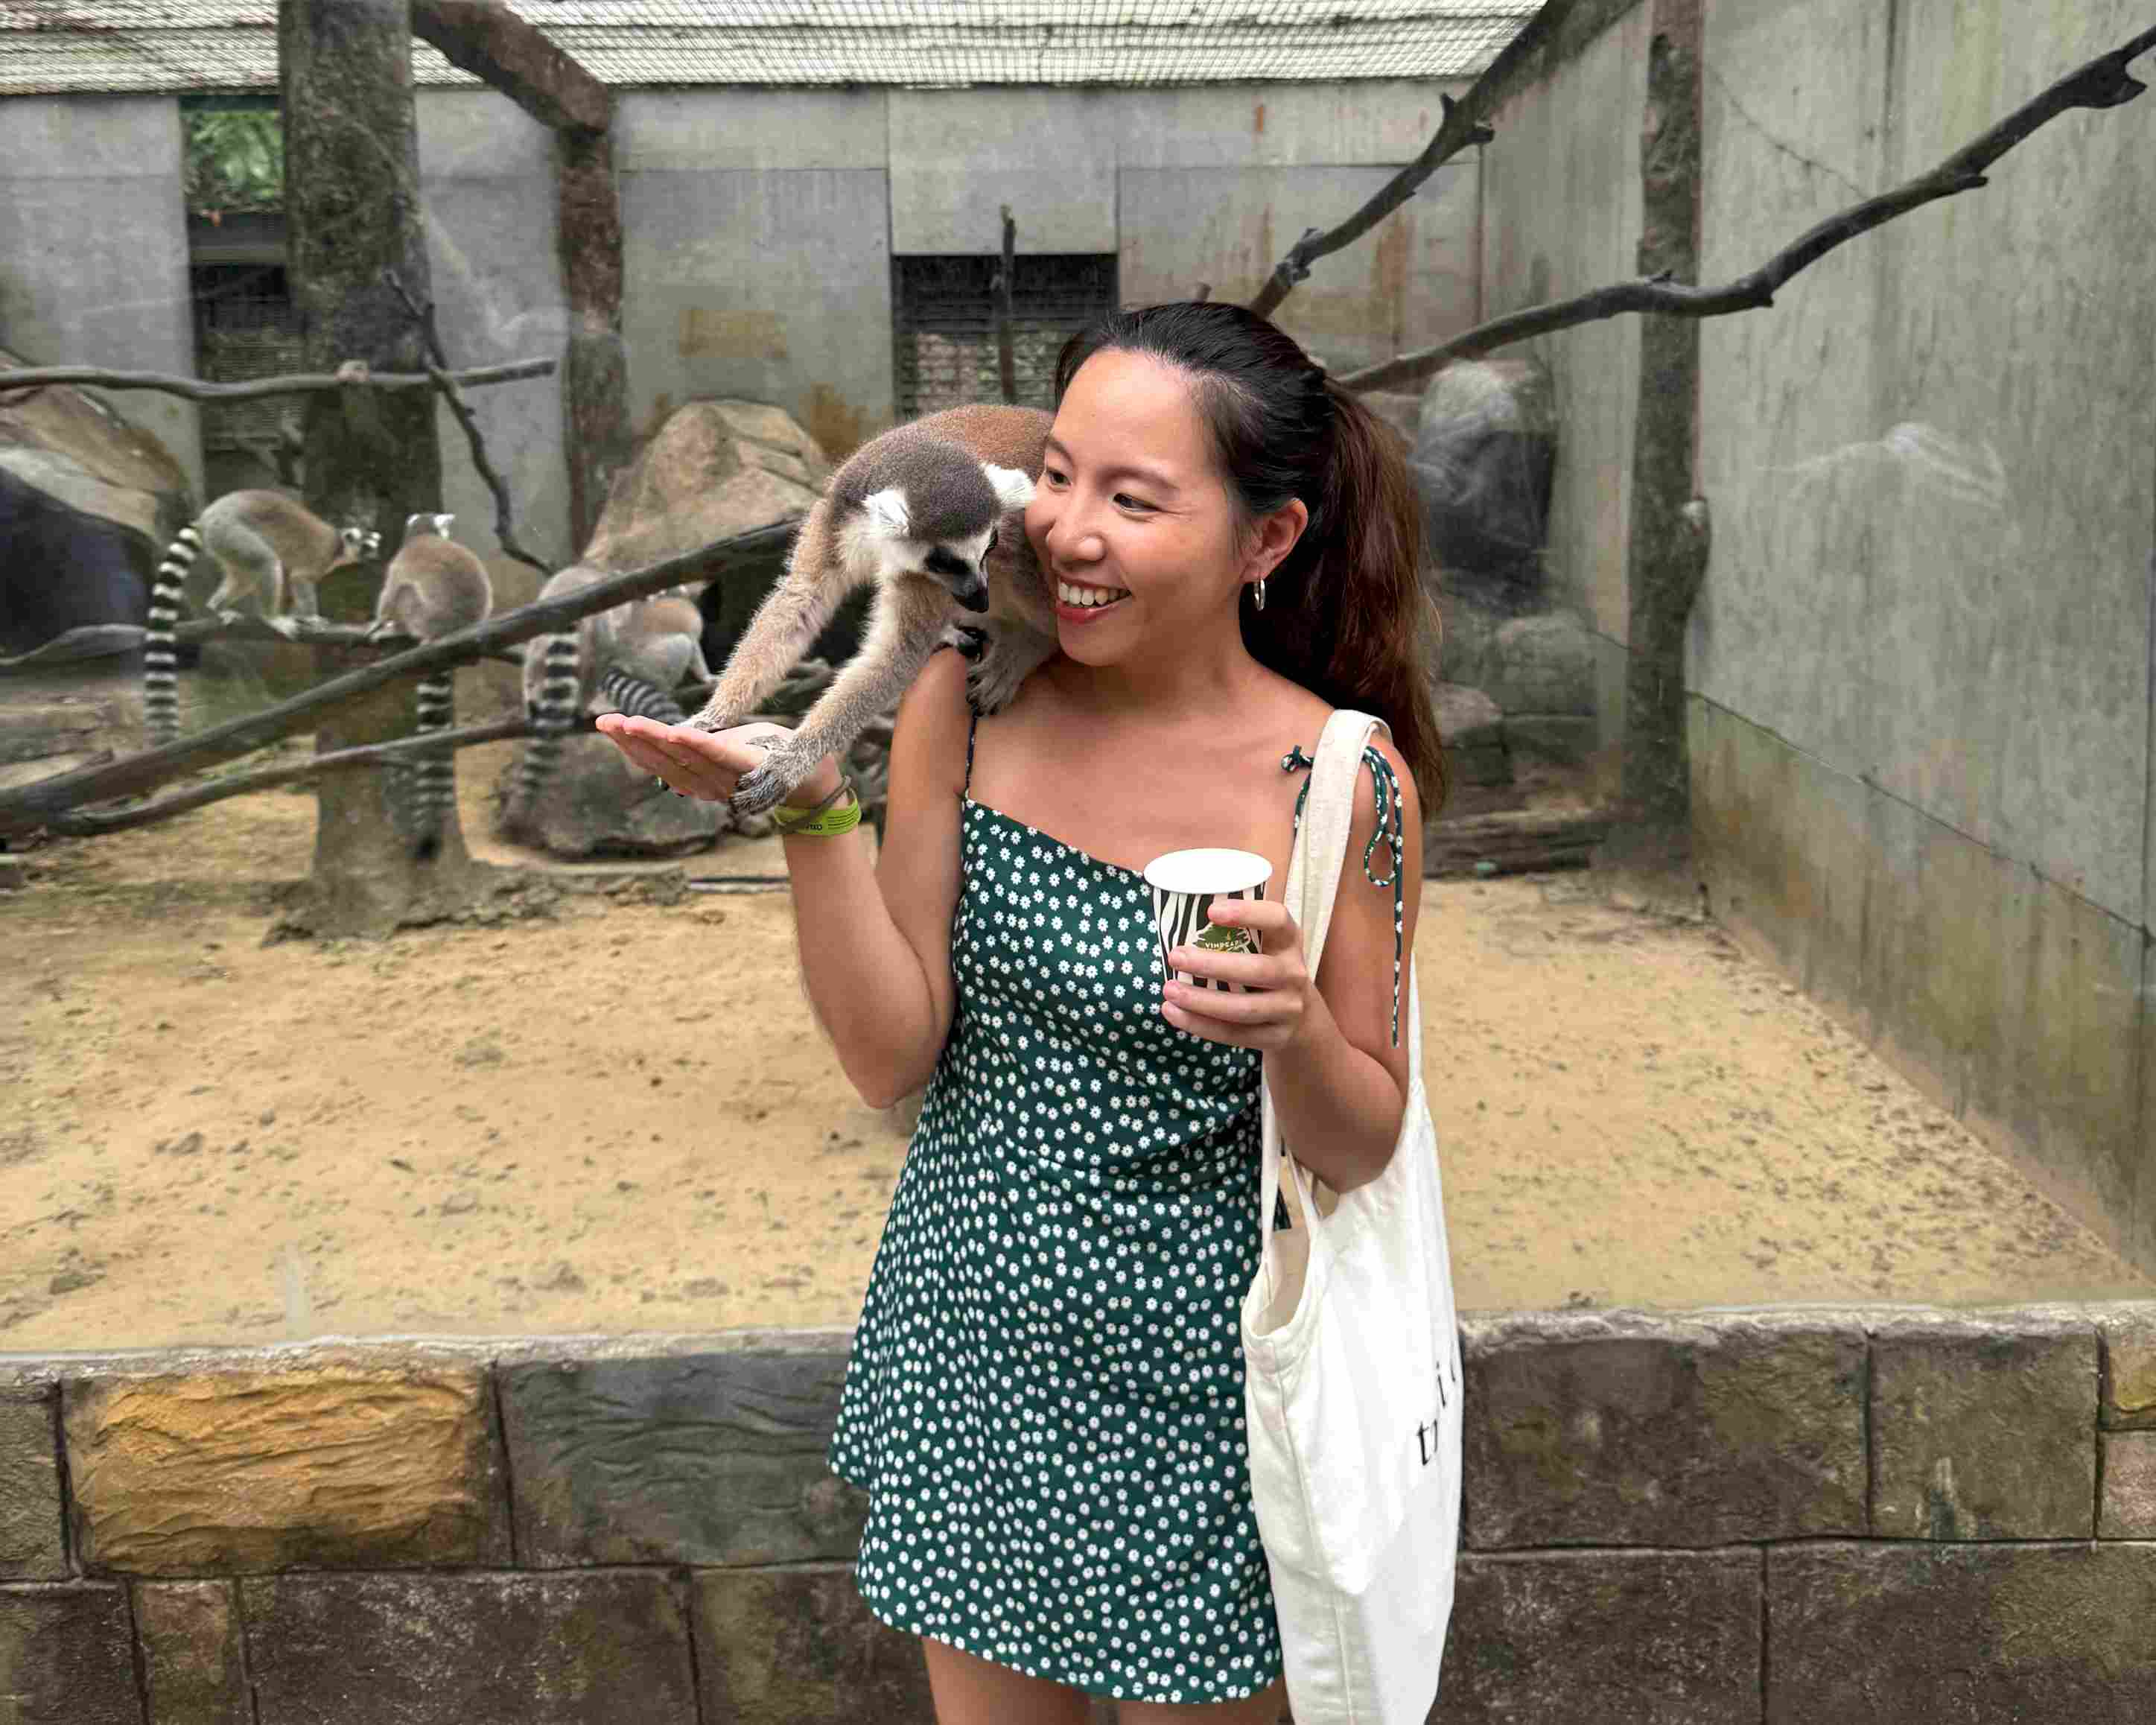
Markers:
<point>272,550</point>
<point>928,512</point>
<point>434,587</point>
<point>633,656</point>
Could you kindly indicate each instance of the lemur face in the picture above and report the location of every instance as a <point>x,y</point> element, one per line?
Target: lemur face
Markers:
<point>961,568</point>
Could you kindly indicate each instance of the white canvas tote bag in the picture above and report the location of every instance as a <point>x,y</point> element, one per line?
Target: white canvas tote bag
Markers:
<point>1353,1392</point>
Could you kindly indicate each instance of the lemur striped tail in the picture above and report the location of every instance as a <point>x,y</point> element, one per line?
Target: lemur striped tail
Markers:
<point>434,782</point>
<point>641,699</point>
<point>553,716</point>
<point>161,688</point>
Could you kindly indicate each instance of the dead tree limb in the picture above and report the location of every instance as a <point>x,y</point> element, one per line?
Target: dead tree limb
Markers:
<point>2103,83</point>
<point>1006,357</point>
<point>505,530</point>
<point>31,806</point>
<point>1464,125</point>
<point>94,822</point>
<point>295,383</point>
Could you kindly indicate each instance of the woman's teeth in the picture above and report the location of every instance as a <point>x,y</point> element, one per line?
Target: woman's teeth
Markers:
<point>1090,595</point>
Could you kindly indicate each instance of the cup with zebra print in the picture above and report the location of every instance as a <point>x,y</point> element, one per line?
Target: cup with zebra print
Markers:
<point>1184,883</point>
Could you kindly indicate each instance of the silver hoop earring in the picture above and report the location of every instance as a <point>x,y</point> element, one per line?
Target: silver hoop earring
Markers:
<point>1258,594</point>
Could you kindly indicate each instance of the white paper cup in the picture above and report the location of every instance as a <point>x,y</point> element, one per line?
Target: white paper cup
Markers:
<point>1183,882</point>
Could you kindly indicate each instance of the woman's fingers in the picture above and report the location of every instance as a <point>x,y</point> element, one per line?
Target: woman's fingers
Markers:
<point>657,749</point>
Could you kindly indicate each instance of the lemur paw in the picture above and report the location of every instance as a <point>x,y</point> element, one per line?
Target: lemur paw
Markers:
<point>990,684</point>
<point>288,627</point>
<point>763,785</point>
<point>711,721</point>
<point>971,643</point>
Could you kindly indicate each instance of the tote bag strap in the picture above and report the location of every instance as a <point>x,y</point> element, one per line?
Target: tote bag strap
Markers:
<point>1313,882</point>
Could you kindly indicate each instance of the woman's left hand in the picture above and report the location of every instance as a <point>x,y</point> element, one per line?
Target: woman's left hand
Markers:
<point>1284,1002</point>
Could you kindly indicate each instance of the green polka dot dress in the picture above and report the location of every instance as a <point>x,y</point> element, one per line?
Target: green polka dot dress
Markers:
<point>1044,1398</point>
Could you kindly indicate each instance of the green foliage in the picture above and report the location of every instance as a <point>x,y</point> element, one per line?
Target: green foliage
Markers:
<point>235,161</point>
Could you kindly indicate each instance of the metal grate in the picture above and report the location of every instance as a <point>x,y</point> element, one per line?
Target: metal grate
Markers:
<point>54,45</point>
<point>943,325</point>
<point>246,325</point>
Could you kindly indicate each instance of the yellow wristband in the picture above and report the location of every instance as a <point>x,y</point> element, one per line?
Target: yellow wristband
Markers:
<point>822,822</point>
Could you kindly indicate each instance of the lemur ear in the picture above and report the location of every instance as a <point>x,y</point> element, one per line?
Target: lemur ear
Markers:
<point>442,524</point>
<point>887,512</point>
<point>1014,488</point>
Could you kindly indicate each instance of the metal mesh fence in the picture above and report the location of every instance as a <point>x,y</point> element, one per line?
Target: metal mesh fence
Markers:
<point>55,45</point>
<point>246,325</point>
<point>943,325</point>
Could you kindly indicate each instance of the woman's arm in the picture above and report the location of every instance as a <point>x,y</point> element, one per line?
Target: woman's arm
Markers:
<point>875,942</point>
<point>1339,1086</point>
<point>875,946</point>
<point>1337,1083</point>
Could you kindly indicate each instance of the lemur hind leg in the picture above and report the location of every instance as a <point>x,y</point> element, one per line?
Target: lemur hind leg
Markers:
<point>907,625</point>
<point>1011,656</point>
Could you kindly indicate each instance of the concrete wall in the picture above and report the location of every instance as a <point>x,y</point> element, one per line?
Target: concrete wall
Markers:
<point>1894,1514</point>
<point>93,248</point>
<point>486,190</point>
<point>761,223</point>
<point>1922,714</point>
<point>1561,214</point>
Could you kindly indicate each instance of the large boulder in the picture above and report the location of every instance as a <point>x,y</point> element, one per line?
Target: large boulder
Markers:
<point>712,469</point>
<point>1485,449</point>
<point>88,502</point>
<point>596,804</point>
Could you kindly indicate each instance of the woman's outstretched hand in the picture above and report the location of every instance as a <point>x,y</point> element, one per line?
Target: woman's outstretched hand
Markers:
<point>707,764</point>
<point>1283,999</point>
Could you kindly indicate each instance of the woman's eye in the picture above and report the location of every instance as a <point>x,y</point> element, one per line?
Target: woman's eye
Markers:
<point>1129,502</point>
<point>1049,473</point>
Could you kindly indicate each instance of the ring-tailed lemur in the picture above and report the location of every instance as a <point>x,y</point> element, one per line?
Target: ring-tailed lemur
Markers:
<point>272,550</point>
<point>927,510</point>
<point>433,588</point>
<point>632,656</point>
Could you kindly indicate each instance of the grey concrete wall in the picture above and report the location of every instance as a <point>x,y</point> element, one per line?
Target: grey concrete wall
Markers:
<point>486,189</point>
<point>93,248</point>
<point>1922,660</point>
<point>756,230</point>
<point>1561,214</point>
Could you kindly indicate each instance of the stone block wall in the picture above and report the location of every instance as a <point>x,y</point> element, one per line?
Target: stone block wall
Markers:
<point>1793,1514</point>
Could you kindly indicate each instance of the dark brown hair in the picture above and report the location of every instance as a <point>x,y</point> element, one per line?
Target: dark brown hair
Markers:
<point>1346,614</point>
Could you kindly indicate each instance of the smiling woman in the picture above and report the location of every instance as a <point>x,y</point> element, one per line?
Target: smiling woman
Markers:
<point>1046,1398</point>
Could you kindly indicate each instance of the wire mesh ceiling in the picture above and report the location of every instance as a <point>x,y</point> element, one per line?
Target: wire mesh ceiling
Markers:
<point>209,45</point>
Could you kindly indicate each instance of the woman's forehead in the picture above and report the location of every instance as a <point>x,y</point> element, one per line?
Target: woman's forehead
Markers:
<point>1131,406</point>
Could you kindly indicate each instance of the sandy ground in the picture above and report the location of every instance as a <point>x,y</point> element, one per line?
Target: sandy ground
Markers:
<point>623,1119</point>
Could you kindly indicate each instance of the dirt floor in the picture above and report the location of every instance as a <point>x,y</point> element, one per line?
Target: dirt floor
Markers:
<point>527,1129</point>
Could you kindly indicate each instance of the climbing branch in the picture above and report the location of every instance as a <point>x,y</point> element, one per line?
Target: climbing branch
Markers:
<point>504,531</point>
<point>94,822</point>
<point>2103,83</point>
<point>1463,124</point>
<point>294,383</point>
<point>33,805</point>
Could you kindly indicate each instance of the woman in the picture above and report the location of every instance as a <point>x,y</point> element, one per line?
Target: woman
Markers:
<point>1045,1397</point>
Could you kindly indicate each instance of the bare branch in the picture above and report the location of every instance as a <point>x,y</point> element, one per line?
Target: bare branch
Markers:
<point>30,806</point>
<point>92,822</point>
<point>1006,359</point>
<point>297,383</point>
<point>1463,125</point>
<point>504,531</point>
<point>2103,83</point>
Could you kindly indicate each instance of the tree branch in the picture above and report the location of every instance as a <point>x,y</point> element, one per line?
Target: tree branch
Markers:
<point>30,806</point>
<point>2103,83</point>
<point>297,383</point>
<point>1463,125</point>
<point>504,531</point>
<point>94,822</point>
<point>104,640</point>
<point>1006,358</point>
